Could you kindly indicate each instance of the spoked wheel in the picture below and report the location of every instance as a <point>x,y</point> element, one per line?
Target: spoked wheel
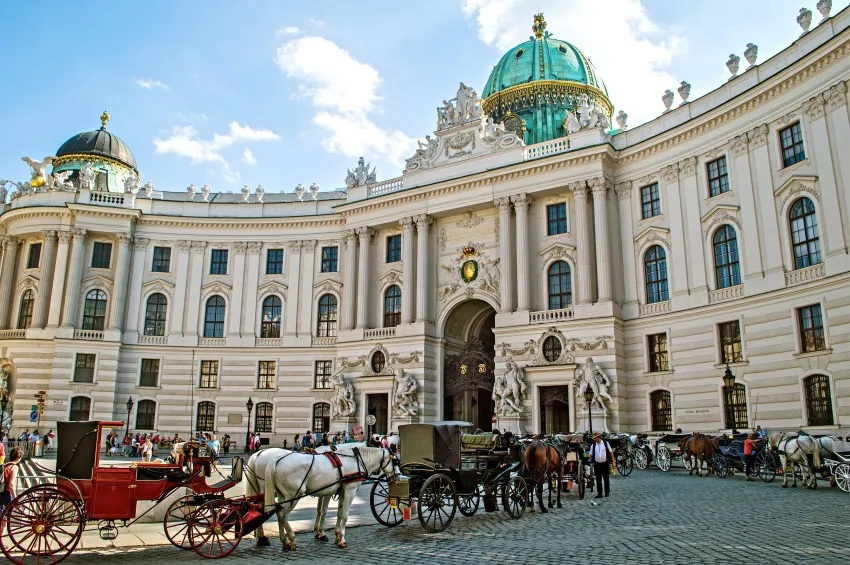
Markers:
<point>720,466</point>
<point>382,510</point>
<point>468,503</point>
<point>216,529</point>
<point>176,521</point>
<point>437,503</point>
<point>640,459</point>
<point>663,458</point>
<point>41,527</point>
<point>624,464</point>
<point>580,480</point>
<point>687,462</point>
<point>515,497</point>
<point>766,466</point>
<point>841,474</point>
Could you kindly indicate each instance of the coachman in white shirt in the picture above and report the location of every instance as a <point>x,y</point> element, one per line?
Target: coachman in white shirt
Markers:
<point>600,454</point>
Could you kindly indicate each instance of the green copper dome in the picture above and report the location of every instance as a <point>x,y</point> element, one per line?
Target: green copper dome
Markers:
<point>536,83</point>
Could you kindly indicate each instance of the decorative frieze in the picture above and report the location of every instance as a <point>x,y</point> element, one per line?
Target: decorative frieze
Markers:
<point>815,107</point>
<point>758,136</point>
<point>739,146</point>
<point>469,220</point>
<point>412,357</point>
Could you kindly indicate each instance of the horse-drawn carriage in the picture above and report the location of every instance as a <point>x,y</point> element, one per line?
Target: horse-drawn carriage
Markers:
<point>667,450</point>
<point>443,471</point>
<point>44,524</point>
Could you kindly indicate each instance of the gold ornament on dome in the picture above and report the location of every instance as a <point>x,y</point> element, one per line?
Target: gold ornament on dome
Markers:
<point>539,27</point>
<point>104,118</point>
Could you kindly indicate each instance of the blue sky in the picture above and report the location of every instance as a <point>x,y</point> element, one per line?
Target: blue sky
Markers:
<point>281,93</point>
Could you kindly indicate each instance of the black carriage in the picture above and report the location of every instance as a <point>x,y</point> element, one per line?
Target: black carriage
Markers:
<point>443,471</point>
<point>620,446</point>
<point>729,457</point>
<point>577,466</point>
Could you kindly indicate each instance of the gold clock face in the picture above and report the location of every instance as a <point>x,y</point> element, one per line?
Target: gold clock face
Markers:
<point>469,271</point>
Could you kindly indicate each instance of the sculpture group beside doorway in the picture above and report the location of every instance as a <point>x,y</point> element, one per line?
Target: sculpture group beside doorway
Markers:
<point>509,389</point>
<point>590,375</point>
<point>404,398</point>
<point>342,401</point>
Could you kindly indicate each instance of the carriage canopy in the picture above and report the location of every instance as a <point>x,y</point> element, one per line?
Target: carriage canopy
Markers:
<point>430,444</point>
<point>78,446</point>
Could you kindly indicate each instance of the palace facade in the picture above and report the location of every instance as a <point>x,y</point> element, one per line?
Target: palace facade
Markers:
<point>714,235</point>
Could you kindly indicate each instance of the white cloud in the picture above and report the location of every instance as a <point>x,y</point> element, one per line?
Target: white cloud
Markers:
<point>344,92</point>
<point>288,30</point>
<point>150,84</point>
<point>318,24</point>
<point>629,50</point>
<point>185,142</point>
<point>248,157</point>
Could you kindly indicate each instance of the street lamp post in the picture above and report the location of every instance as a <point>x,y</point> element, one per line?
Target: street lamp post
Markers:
<point>129,409</point>
<point>250,406</point>
<point>728,383</point>
<point>588,396</point>
<point>4,400</point>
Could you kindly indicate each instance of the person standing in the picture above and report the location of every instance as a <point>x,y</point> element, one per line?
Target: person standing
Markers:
<point>3,451</point>
<point>600,454</point>
<point>10,477</point>
<point>296,443</point>
<point>147,450</point>
<point>749,458</point>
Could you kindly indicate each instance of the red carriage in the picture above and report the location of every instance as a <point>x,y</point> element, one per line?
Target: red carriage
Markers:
<point>44,524</point>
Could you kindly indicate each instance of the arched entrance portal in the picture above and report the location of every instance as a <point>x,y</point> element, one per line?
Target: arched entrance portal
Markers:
<point>468,367</point>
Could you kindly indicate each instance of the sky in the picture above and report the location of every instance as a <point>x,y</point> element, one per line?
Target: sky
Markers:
<point>281,93</point>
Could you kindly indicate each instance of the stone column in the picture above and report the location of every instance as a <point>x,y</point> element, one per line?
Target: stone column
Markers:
<point>585,261</point>
<point>407,267</point>
<point>234,320</point>
<point>364,236</point>
<point>349,280</point>
<point>7,278</point>
<point>506,286</point>
<point>252,282</point>
<point>119,284</point>
<point>137,276</point>
<point>72,292</point>
<point>693,230</point>
<point>627,243</point>
<point>522,202</point>
<point>677,265</point>
<point>768,226</point>
<point>423,265</point>
<point>293,294</point>
<point>193,322</point>
<point>308,275</point>
<point>836,109</point>
<point>48,260</point>
<point>182,274</point>
<point>751,259</point>
<point>599,186</point>
<point>57,293</point>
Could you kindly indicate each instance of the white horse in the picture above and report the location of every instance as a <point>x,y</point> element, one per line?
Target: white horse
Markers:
<point>297,475</point>
<point>795,449</point>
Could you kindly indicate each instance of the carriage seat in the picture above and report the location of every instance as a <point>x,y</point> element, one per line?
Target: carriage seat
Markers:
<point>158,472</point>
<point>476,441</point>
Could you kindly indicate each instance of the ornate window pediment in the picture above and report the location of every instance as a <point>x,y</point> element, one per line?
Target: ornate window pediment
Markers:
<point>324,286</point>
<point>216,287</point>
<point>653,234</point>
<point>558,251</point>
<point>96,281</point>
<point>794,187</point>
<point>271,287</point>
<point>158,285</point>
<point>721,214</point>
<point>390,277</point>
<point>28,282</point>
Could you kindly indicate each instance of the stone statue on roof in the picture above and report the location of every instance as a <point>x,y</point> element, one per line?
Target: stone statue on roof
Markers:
<point>361,175</point>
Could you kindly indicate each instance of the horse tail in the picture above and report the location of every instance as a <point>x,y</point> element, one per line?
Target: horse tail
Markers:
<point>271,488</point>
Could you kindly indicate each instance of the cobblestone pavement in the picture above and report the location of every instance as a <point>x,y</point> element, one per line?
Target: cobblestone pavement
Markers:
<point>650,518</point>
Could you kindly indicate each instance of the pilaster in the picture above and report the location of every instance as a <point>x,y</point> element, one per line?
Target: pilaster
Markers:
<point>521,203</point>
<point>677,269</point>
<point>752,254</point>
<point>407,265</point>
<point>48,262</point>
<point>57,292</point>
<point>697,282</point>
<point>178,309</point>
<point>7,278</point>
<point>193,297</point>
<point>423,266</point>
<point>308,275</point>
<point>249,295</point>
<point>293,250</point>
<point>599,186</point>
<point>349,279</point>
<point>506,257</point>
<point>137,274</point>
<point>364,235</point>
<point>72,293</point>
<point>119,285</point>
<point>630,297</point>
<point>768,225</point>
<point>582,224</point>
<point>234,319</point>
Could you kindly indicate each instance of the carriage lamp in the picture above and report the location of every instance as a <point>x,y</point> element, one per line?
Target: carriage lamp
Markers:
<point>728,378</point>
<point>250,406</point>
<point>129,409</point>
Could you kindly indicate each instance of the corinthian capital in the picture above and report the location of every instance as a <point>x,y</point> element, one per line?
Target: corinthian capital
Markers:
<point>140,243</point>
<point>309,245</point>
<point>521,201</point>
<point>48,235</point>
<point>578,188</point>
<point>407,223</point>
<point>740,146</point>
<point>503,203</point>
<point>836,96</point>
<point>758,136</point>
<point>124,239</point>
<point>365,233</point>
<point>255,247</point>
<point>597,186</point>
<point>688,167</point>
<point>424,222</point>
<point>9,241</point>
<point>814,108</point>
<point>64,236</point>
<point>670,173</point>
<point>79,233</point>
<point>623,189</point>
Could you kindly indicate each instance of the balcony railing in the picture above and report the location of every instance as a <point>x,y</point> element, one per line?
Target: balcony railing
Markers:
<point>724,294</point>
<point>385,187</point>
<point>330,340</point>
<point>379,333</point>
<point>153,339</point>
<point>654,309</point>
<point>106,198</point>
<point>268,342</point>
<point>88,335</point>
<point>547,316</point>
<point>803,275</point>
<point>12,334</point>
<point>560,145</point>
<point>212,342</point>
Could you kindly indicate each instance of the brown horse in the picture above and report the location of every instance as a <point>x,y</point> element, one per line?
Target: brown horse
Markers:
<point>543,461</point>
<point>699,448</point>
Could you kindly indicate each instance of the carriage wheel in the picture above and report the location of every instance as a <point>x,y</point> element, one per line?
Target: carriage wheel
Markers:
<point>216,528</point>
<point>766,466</point>
<point>720,466</point>
<point>663,458</point>
<point>841,474</point>
<point>41,527</point>
<point>176,521</point>
<point>379,501</point>
<point>437,503</point>
<point>640,459</point>
<point>468,503</point>
<point>580,480</point>
<point>687,462</point>
<point>624,464</point>
<point>515,498</point>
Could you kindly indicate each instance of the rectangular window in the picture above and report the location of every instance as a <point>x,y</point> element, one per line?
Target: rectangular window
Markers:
<point>209,374</point>
<point>324,369</point>
<point>556,219</point>
<point>718,177</point>
<point>161,260</point>
<point>150,373</point>
<point>810,321</point>
<point>791,140</point>
<point>330,259</point>
<point>84,368</point>
<point>650,201</point>
<point>34,257</point>
<point>730,343</point>
<point>274,262</point>
<point>658,353</point>
<point>266,373</point>
<point>101,255</point>
<point>218,262</point>
<point>394,249</point>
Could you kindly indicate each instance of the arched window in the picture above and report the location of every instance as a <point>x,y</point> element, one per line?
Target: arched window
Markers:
<point>94,311</point>
<point>804,234</point>
<point>560,286</point>
<point>735,402</point>
<point>727,271</point>
<point>214,317</point>
<point>145,415</point>
<point>321,417</point>
<point>263,419</point>
<point>80,409</point>
<point>818,401</point>
<point>155,313</point>
<point>655,262</point>
<point>326,325</point>
<point>662,411</point>
<point>205,422</point>
<point>270,326</point>
<point>392,306</point>
<point>552,348</point>
<point>25,312</point>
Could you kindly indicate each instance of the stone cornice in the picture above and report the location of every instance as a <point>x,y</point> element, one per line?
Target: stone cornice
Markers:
<point>242,223</point>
